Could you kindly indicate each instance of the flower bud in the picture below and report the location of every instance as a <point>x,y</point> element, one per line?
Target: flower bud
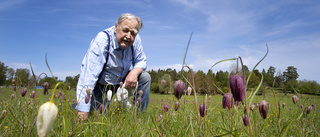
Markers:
<point>203,110</point>
<point>179,88</point>
<point>159,118</point>
<point>264,108</point>
<point>295,99</point>
<point>245,119</point>
<point>45,86</point>
<point>33,94</point>
<point>227,100</point>
<point>12,96</point>
<point>14,88</point>
<point>166,107</point>
<point>189,89</point>
<point>252,107</point>
<point>46,117</point>
<point>140,93</point>
<point>13,82</point>
<point>86,99</point>
<point>101,108</point>
<point>309,109</point>
<point>312,105</point>
<point>88,91</point>
<point>3,114</point>
<point>301,106</point>
<point>139,101</point>
<point>109,95</point>
<point>163,82</point>
<point>23,92</point>
<point>283,104</point>
<point>176,106</point>
<point>238,87</point>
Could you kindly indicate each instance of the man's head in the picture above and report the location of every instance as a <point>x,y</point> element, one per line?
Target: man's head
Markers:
<point>126,29</point>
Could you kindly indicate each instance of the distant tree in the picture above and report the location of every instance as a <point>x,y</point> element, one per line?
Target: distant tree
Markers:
<point>22,76</point>
<point>210,79</point>
<point>269,77</point>
<point>290,73</point>
<point>278,80</point>
<point>200,82</point>
<point>290,77</point>
<point>10,76</point>
<point>3,71</point>
<point>308,87</point>
<point>254,79</point>
<point>222,80</point>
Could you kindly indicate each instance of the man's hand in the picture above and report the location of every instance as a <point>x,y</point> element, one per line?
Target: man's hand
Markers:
<point>132,78</point>
<point>83,115</point>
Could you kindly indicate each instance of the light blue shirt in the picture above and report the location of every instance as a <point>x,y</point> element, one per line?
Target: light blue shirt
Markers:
<point>119,63</point>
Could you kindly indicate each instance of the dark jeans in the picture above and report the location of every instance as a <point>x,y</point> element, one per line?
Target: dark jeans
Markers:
<point>144,81</point>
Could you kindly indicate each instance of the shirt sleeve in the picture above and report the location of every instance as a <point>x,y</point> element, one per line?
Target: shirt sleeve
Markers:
<point>91,68</point>
<point>140,59</point>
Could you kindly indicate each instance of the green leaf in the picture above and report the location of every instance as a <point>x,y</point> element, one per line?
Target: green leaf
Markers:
<point>49,68</point>
<point>255,92</point>
<point>223,61</point>
<point>257,65</point>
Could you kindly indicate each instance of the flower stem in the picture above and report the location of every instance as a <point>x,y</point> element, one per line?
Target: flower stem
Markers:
<point>275,99</point>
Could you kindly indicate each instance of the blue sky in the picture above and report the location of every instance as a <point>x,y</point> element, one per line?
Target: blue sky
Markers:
<point>222,29</point>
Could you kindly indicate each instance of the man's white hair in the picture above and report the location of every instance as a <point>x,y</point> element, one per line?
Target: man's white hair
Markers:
<point>124,16</point>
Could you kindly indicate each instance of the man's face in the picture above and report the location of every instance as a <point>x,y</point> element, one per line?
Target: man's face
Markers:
<point>126,32</point>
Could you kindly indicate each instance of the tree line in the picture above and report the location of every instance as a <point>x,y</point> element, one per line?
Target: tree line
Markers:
<point>205,83</point>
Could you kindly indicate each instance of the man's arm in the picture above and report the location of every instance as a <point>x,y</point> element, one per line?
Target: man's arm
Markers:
<point>91,68</point>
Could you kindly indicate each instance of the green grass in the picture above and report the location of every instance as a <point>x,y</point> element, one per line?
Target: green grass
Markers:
<point>22,112</point>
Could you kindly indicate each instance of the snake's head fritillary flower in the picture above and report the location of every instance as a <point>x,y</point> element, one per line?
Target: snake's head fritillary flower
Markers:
<point>179,88</point>
<point>13,82</point>
<point>227,100</point>
<point>166,107</point>
<point>109,95</point>
<point>88,91</point>
<point>283,105</point>
<point>163,82</point>
<point>203,110</point>
<point>140,93</point>
<point>3,114</point>
<point>12,96</point>
<point>23,92</point>
<point>309,109</point>
<point>33,94</point>
<point>264,108</point>
<point>295,99</point>
<point>46,117</point>
<point>159,118</point>
<point>245,119</point>
<point>210,97</point>
<point>312,105</point>
<point>176,106</point>
<point>14,88</point>
<point>301,106</point>
<point>252,107</point>
<point>101,108</point>
<point>238,87</point>
<point>189,90</point>
<point>86,99</point>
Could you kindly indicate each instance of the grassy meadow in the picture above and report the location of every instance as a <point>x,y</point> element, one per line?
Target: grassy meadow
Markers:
<point>20,119</point>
